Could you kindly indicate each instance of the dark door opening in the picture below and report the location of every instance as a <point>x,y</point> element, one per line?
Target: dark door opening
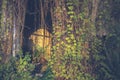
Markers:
<point>33,21</point>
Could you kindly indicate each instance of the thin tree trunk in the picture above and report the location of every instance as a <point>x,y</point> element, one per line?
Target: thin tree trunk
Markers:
<point>95,4</point>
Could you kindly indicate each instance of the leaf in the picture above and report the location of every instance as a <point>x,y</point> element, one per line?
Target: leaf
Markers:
<point>70,7</point>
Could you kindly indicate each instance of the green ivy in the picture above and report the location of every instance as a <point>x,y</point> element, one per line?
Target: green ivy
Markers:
<point>66,60</point>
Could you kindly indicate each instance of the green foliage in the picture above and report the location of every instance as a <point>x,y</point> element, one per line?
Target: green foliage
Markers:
<point>67,59</point>
<point>7,70</point>
<point>17,69</point>
<point>96,48</point>
<point>110,67</point>
<point>106,53</point>
<point>21,68</point>
<point>24,67</point>
<point>48,75</point>
<point>115,29</point>
<point>70,66</point>
<point>38,53</point>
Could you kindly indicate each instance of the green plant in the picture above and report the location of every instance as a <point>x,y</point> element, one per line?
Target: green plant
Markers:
<point>7,70</point>
<point>69,57</point>
<point>24,67</point>
<point>17,68</point>
<point>110,67</point>
<point>38,53</point>
<point>47,75</point>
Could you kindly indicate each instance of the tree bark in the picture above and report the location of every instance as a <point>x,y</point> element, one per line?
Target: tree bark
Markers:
<point>95,4</point>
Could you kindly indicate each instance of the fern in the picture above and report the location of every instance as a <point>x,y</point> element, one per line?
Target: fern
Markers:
<point>111,66</point>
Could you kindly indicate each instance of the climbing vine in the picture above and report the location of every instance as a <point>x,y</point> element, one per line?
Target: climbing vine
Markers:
<point>70,48</point>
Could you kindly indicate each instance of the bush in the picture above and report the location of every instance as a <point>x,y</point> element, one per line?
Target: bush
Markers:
<point>21,68</point>
<point>17,69</point>
<point>110,67</point>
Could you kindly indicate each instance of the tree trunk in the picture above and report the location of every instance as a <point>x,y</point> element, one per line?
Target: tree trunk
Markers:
<point>12,23</point>
<point>95,6</point>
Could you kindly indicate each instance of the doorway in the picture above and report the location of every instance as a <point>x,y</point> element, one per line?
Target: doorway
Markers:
<point>38,16</point>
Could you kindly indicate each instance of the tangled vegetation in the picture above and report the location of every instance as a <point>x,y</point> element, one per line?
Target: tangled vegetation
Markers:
<point>76,40</point>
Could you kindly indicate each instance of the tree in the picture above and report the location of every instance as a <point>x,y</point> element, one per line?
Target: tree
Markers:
<point>12,23</point>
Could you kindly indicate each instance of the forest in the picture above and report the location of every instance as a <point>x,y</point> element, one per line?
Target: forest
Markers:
<point>59,40</point>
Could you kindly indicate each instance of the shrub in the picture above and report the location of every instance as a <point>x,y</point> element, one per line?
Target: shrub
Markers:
<point>21,68</point>
<point>110,67</point>
<point>17,68</point>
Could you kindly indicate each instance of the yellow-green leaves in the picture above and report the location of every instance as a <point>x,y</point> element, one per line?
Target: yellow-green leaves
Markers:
<point>70,7</point>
